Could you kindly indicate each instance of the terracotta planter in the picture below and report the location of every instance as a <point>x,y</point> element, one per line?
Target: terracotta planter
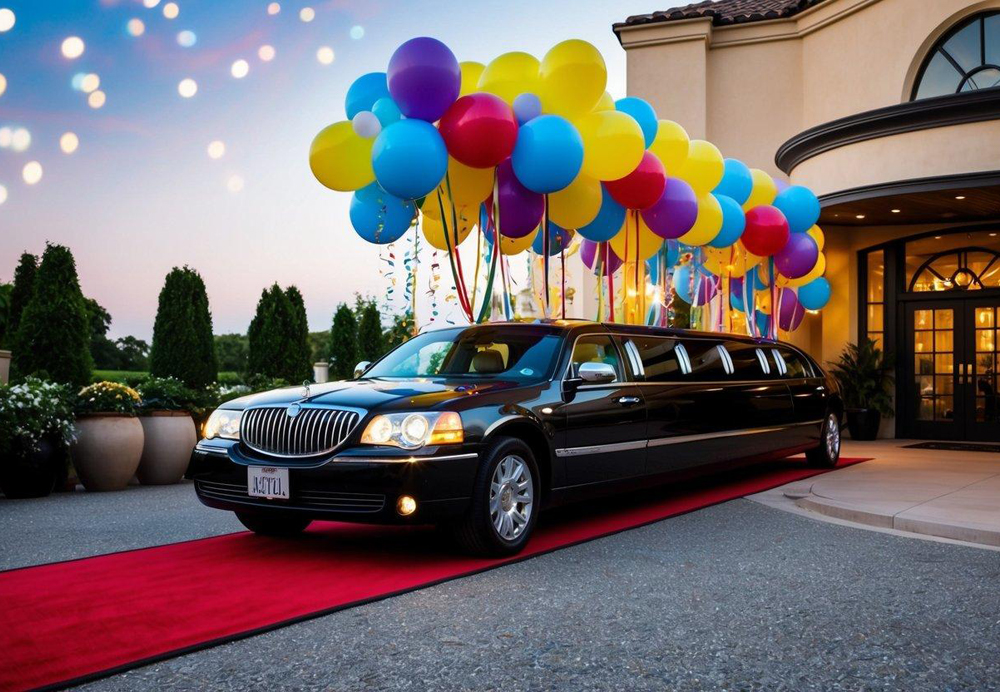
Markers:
<point>107,450</point>
<point>169,438</point>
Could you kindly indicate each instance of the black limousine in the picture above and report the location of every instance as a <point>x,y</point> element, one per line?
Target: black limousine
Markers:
<point>478,428</point>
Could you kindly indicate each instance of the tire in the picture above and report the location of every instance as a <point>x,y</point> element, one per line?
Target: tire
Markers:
<point>826,454</point>
<point>509,462</point>
<point>274,524</point>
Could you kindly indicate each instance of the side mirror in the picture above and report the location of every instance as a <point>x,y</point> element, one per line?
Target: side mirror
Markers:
<point>360,368</point>
<point>596,373</point>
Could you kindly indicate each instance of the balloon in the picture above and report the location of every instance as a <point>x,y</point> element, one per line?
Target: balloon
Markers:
<point>815,294</point>
<point>671,250</point>
<point>424,78</point>
<point>469,186</point>
<point>624,243</point>
<point>704,287</point>
<point>578,204</point>
<point>608,221</point>
<point>573,77</point>
<point>766,231</point>
<point>737,182</point>
<point>612,144</point>
<point>818,270</point>
<point>800,207</point>
<point>520,209</point>
<point>797,257</point>
<point>763,322</point>
<point>727,261</point>
<point>559,240</point>
<point>548,154</point>
<point>733,222</point>
<point>790,312</point>
<point>606,103</point>
<point>386,110</point>
<point>780,185</point>
<point>527,107</point>
<point>670,145</point>
<point>434,230</point>
<point>508,246</point>
<point>736,294</point>
<point>471,72</point>
<point>366,124</point>
<point>642,187</point>
<point>378,217</point>
<point>708,224</point>
<point>817,234</point>
<point>364,92</point>
<point>510,75</point>
<point>479,130</point>
<point>763,191</point>
<point>643,113</point>
<point>592,253</point>
<point>703,167</point>
<point>675,212</point>
<point>409,158</point>
<point>340,159</point>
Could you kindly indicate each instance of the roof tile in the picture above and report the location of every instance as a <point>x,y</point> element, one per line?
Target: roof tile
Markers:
<point>723,12</point>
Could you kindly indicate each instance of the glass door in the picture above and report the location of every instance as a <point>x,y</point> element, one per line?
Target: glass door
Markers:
<point>978,377</point>
<point>934,350</point>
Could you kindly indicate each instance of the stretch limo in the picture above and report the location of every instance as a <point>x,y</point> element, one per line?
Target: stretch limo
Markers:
<point>478,428</point>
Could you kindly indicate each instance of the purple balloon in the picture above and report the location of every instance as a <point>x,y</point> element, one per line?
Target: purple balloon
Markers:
<point>791,313</point>
<point>520,209</point>
<point>798,257</point>
<point>675,212</point>
<point>590,251</point>
<point>424,78</point>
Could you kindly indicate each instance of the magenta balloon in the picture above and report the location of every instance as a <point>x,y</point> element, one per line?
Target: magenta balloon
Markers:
<point>798,257</point>
<point>520,209</point>
<point>589,252</point>
<point>675,212</point>
<point>424,78</point>
<point>792,312</point>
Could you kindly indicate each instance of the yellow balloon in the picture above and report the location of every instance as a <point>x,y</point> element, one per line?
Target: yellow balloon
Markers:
<point>515,246</point>
<point>624,242</point>
<point>576,205</point>
<point>703,167</point>
<point>763,301</point>
<point>764,190</point>
<point>606,103</point>
<point>471,72</point>
<point>729,261</point>
<point>670,146</point>
<point>340,159</point>
<point>510,75</point>
<point>612,144</point>
<point>816,233</point>
<point>708,223</point>
<point>818,270</point>
<point>573,76</point>
<point>434,230</point>
<point>469,186</point>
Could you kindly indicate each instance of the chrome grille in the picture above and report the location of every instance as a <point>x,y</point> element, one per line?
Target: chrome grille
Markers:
<point>313,431</point>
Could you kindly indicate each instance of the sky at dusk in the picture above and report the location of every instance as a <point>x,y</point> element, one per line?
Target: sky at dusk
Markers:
<point>140,194</point>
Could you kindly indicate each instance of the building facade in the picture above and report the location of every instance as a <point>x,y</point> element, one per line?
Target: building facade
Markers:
<point>890,111</point>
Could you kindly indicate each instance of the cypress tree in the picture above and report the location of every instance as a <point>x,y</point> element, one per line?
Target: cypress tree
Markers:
<point>24,284</point>
<point>53,334</point>
<point>267,335</point>
<point>183,345</point>
<point>299,355</point>
<point>343,343</point>
<point>371,341</point>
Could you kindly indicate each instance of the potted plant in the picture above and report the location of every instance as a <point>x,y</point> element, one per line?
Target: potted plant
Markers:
<point>169,430</point>
<point>109,436</point>
<point>864,374</point>
<point>36,428</point>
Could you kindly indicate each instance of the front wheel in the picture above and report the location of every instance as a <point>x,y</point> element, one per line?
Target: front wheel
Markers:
<point>277,524</point>
<point>827,452</point>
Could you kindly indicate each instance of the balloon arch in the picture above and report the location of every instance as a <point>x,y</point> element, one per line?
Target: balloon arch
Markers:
<point>535,153</point>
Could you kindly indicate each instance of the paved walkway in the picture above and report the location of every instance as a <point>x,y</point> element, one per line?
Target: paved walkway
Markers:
<point>953,495</point>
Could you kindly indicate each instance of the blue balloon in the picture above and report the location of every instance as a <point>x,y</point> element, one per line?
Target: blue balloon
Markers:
<point>527,106</point>
<point>364,92</point>
<point>559,239</point>
<point>733,222</point>
<point>672,252</point>
<point>736,301</point>
<point>548,154</point>
<point>386,110</point>
<point>409,158</point>
<point>379,217</point>
<point>682,282</point>
<point>608,221</point>
<point>763,323</point>
<point>759,282</point>
<point>815,294</point>
<point>643,114</point>
<point>736,181</point>
<point>800,207</point>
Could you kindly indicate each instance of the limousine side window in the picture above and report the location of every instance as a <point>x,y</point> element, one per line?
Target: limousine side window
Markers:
<point>659,358</point>
<point>596,349</point>
<point>746,363</point>
<point>795,364</point>
<point>706,359</point>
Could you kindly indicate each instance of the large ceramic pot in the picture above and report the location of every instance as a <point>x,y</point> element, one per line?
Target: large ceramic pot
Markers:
<point>107,450</point>
<point>169,438</point>
<point>863,423</point>
<point>35,473</point>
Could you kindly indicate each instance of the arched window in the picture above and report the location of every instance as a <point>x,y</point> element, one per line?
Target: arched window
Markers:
<point>966,58</point>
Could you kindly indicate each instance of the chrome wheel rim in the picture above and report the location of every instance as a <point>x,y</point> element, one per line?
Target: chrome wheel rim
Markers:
<point>832,437</point>
<point>512,495</point>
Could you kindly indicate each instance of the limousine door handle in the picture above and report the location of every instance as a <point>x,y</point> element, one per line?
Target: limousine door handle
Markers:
<point>629,400</point>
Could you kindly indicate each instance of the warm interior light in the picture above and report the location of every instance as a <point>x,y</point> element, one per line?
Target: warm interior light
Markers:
<point>406,505</point>
<point>959,196</point>
<point>447,430</point>
<point>894,211</point>
<point>859,216</point>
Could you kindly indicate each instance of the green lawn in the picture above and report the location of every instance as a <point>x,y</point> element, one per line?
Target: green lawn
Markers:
<point>131,377</point>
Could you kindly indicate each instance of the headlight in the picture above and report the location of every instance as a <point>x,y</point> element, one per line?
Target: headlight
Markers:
<point>223,423</point>
<point>414,430</point>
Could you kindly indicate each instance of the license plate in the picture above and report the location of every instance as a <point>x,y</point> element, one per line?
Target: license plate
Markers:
<point>267,481</point>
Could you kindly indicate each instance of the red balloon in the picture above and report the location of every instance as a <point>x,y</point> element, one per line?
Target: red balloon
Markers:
<point>766,231</point>
<point>480,130</point>
<point>641,188</point>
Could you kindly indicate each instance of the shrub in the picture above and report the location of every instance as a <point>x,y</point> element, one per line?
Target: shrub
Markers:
<point>183,345</point>
<point>279,337</point>
<point>24,286</point>
<point>53,335</point>
<point>232,352</point>
<point>343,343</point>
<point>299,355</point>
<point>32,410</point>
<point>865,377</point>
<point>371,340</point>
<point>400,331</point>
<point>166,394</point>
<point>107,397</point>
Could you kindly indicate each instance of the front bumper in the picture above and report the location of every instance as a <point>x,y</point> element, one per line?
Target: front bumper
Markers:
<point>360,484</point>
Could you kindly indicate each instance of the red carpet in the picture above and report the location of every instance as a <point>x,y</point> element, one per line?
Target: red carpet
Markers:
<point>71,621</point>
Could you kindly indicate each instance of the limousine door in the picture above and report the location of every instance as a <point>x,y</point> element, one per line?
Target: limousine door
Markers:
<point>604,425</point>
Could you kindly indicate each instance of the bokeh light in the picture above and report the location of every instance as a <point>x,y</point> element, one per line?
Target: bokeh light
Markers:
<point>73,47</point>
<point>3,194</point>
<point>171,10</point>
<point>266,53</point>
<point>325,55</point>
<point>187,87</point>
<point>357,32</point>
<point>96,99</point>
<point>20,139</point>
<point>186,38</point>
<point>6,137</point>
<point>274,8</point>
<point>69,142</point>
<point>32,172</point>
<point>3,84</point>
<point>240,69</point>
<point>216,149</point>
<point>135,27</point>
<point>235,183</point>
<point>307,14</point>
<point>150,4</point>
<point>7,19</point>
<point>89,83</point>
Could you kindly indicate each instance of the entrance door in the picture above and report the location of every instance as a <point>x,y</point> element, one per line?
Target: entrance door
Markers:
<point>980,378</point>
